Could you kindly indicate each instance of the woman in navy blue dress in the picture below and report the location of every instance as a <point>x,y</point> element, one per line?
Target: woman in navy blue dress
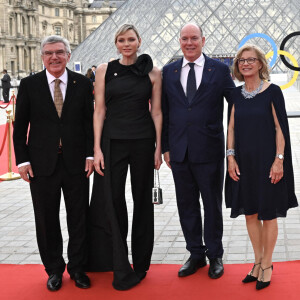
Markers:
<point>260,180</point>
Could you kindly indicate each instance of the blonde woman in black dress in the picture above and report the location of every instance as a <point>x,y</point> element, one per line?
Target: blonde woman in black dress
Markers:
<point>126,134</point>
<point>260,180</point>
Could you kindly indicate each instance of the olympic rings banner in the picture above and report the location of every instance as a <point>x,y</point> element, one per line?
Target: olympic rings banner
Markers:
<point>275,53</point>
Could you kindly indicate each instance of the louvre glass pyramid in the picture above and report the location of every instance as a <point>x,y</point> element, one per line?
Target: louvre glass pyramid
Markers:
<point>225,23</point>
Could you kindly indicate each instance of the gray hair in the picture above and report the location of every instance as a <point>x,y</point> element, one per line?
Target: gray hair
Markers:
<point>52,39</point>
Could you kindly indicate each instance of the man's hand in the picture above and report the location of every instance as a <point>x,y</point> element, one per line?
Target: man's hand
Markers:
<point>24,171</point>
<point>89,167</point>
<point>167,159</point>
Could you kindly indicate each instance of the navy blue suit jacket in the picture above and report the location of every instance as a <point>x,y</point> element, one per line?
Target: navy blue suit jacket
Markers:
<point>197,126</point>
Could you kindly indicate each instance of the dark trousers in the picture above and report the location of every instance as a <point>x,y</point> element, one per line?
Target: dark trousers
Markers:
<point>46,195</point>
<point>139,155</point>
<point>191,180</point>
<point>5,94</point>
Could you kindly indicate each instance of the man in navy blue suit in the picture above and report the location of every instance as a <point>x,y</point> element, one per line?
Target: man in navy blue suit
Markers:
<point>193,146</point>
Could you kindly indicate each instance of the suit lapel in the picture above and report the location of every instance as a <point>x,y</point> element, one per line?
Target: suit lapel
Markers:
<point>47,98</point>
<point>69,92</point>
<point>177,72</point>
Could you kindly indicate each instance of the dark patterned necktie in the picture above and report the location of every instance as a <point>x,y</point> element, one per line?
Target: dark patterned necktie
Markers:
<point>58,97</point>
<point>58,100</point>
<point>191,87</point>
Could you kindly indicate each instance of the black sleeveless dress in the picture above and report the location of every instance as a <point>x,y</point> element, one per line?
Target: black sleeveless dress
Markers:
<point>127,93</point>
<point>255,148</point>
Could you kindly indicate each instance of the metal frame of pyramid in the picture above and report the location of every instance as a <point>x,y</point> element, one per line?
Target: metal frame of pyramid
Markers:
<point>224,23</point>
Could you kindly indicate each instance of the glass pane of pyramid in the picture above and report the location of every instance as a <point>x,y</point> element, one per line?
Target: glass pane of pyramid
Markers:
<point>224,23</point>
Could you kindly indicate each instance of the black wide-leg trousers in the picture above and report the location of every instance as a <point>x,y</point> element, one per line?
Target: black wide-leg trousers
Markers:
<point>138,154</point>
<point>46,195</point>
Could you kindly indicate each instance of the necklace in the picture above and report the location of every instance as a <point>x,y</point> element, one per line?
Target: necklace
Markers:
<point>249,95</point>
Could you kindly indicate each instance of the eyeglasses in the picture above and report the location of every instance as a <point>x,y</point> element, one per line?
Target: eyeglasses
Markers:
<point>250,60</point>
<point>57,53</point>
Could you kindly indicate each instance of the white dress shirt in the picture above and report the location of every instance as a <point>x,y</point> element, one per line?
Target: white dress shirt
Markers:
<point>63,83</point>
<point>199,65</point>
<point>63,86</point>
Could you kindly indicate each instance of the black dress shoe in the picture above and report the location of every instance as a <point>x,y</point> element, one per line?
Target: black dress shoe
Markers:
<point>141,275</point>
<point>216,269</point>
<point>191,266</point>
<point>81,280</point>
<point>54,282</point>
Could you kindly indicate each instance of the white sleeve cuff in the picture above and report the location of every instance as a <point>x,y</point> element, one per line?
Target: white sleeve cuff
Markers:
<point>24,164</point>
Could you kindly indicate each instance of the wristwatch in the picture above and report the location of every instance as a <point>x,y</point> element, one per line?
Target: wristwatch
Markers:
<point>280,156</point>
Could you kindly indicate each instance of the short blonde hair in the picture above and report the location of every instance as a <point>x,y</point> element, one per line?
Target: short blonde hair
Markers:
<point>124,28</point>
<point>264,72</point>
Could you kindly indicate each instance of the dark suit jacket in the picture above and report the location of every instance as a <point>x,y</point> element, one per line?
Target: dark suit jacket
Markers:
<point>6,81</point>
<point>198,126</point>
<point>35,108</point>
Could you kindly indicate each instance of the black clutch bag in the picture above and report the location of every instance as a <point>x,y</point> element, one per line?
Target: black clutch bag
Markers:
<point>156,190</point>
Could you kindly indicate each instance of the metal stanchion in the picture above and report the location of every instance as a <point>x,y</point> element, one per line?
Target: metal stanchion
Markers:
<point>13,97</point>
<point>10,175</point>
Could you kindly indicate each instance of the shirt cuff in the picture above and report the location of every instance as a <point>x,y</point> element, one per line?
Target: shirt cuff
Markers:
<point>24,164</point>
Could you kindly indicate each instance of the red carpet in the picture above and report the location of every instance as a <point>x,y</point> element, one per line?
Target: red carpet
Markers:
<point>4,155</point>
<point>18,282</point>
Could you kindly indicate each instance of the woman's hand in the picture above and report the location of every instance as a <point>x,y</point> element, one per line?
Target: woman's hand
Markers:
<point>233,168</point>
<point>276,172</point>
<point>157,159</point>
<point>99,162</point>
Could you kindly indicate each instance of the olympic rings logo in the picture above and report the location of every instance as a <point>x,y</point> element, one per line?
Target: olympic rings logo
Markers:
<point>275,52</point>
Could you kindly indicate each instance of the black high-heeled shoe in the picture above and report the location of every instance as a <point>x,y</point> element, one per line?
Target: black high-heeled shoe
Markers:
<point>250,277</point>
<point>261,284</point>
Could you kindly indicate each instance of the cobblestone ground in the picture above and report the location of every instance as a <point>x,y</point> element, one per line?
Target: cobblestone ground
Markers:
<point>17,230</point>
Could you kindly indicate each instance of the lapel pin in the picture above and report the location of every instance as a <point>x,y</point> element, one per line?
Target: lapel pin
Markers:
<point>175,71</point>
<point>115,74</point>
<point>209,70</point>
<point>74,81</point>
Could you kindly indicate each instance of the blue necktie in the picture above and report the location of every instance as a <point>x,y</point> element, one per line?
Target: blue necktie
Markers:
<point>191,87</point>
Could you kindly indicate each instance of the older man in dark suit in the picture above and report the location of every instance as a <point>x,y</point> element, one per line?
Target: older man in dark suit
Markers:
<point>193,146</point>
<point>57,106</point>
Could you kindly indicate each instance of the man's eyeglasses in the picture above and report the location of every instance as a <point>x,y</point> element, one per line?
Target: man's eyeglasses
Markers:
<point>57,53</point>
<point>249,60</point>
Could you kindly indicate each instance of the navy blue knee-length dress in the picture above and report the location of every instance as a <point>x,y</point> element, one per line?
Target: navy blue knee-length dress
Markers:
<point>255,147</point>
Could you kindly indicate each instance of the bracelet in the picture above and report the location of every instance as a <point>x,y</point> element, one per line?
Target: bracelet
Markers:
<point>230,152</point>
